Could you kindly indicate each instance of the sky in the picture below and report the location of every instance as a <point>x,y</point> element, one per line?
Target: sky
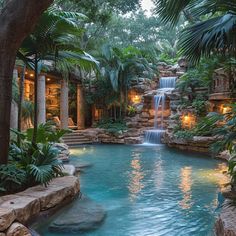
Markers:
<point>147,5</point>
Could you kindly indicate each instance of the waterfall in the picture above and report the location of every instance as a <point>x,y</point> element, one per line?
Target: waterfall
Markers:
<point>159,100</point>
<point>154,136</point>
<point>167,82</point>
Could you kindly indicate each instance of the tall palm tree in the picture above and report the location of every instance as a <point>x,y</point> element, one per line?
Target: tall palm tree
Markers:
<point>216,33</point>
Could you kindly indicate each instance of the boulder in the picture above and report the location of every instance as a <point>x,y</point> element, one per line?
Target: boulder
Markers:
<point>226,222</point>
<point>7,216</point>
<point>64,153</point>
<point>24,207</point>
<point>83,165</point>
<point>69,169</point>
<point>58,190</point>
<point>133,140</point>
<point>83,215</point>
<point>17,229</point>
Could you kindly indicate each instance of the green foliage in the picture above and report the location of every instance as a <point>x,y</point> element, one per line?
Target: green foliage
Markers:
<point>232,169</point>
<point>143,32</point>
<point>131,110</point>
<point>212,28</point>
<point>31,164</point>
<point>200,106</point>
<point>184,134</point>
<point>207,125</point>
<point>167,58</point>
<point>199,76</point>
<point>47,133</point>
<point>12,179</point>
<point>113,127</point>
<point>27,110</point>
<point>226,131</point>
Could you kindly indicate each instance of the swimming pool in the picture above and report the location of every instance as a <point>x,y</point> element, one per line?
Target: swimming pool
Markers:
<point>149,190</point>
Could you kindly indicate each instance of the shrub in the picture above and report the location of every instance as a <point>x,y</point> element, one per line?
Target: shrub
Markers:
<point>184,134</point>
<point>113,127</point>
<point>12,179</point>
<point>31,164</point>
<point>46,133</point>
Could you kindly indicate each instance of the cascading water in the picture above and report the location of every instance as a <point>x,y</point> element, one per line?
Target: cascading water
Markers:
<point>154,136</point>
<point>167,82</point>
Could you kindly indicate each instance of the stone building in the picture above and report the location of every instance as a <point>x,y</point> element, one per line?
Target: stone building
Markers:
<point>53,99</point>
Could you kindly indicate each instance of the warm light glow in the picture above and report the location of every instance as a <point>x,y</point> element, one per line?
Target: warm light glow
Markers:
<point>186,118</point>
<point>188,121</point>
<point>26,73</point>
<point>31,75</point>
<point>226,109</point>
<point>48,79</point>
<point>136,99</point>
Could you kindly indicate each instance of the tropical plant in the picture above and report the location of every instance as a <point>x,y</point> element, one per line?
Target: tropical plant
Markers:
<point>131,110</point>
<point>212,29</point>
<point>226,131</point>
<point>207,125</point>
<point>184,134</point>
<point>47,133</point>
<point>200,105</point>
<point>29,165</point>
<point>12,179</point>
<point>121,66</point>
<point>113,127</point>
<point>232,169</point>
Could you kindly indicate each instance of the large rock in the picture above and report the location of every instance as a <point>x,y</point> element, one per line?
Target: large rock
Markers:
<point>133,140</point>
<point>69,170</point>
<point>84,215</point>
<point>24,207</point>
<point>17,229</point>
<point>7,216</point>
<point>58,190</point>
<point>64,153</point>
<point>226,222</point>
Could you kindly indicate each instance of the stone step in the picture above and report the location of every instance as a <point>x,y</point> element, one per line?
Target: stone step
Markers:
<point>74,137</point>
<point>78,143</point>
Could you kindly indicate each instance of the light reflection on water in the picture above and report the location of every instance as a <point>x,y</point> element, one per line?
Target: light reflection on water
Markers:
<point>136,176</point>
<point>150,190</point>
<point>185,187</point>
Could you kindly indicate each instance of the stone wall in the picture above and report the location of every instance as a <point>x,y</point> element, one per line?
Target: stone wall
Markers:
<point>16,210</point>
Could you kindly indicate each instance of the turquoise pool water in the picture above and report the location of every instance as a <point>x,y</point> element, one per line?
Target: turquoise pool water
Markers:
<point>149,190</point>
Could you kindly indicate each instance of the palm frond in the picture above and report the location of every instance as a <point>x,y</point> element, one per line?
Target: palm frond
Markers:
<point>216,35</point>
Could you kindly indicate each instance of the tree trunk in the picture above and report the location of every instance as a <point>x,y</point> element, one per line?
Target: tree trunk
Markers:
<point>18,19</point>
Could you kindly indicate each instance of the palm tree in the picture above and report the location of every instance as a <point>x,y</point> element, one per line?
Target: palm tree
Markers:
<point>120,67</point>
<point>53,40</point>
<point>215,34</point>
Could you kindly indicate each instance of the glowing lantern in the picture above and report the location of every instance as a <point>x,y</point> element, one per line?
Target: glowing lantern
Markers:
<point>188,121</point>
<point>226,109</point>
<point>136,99</point>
